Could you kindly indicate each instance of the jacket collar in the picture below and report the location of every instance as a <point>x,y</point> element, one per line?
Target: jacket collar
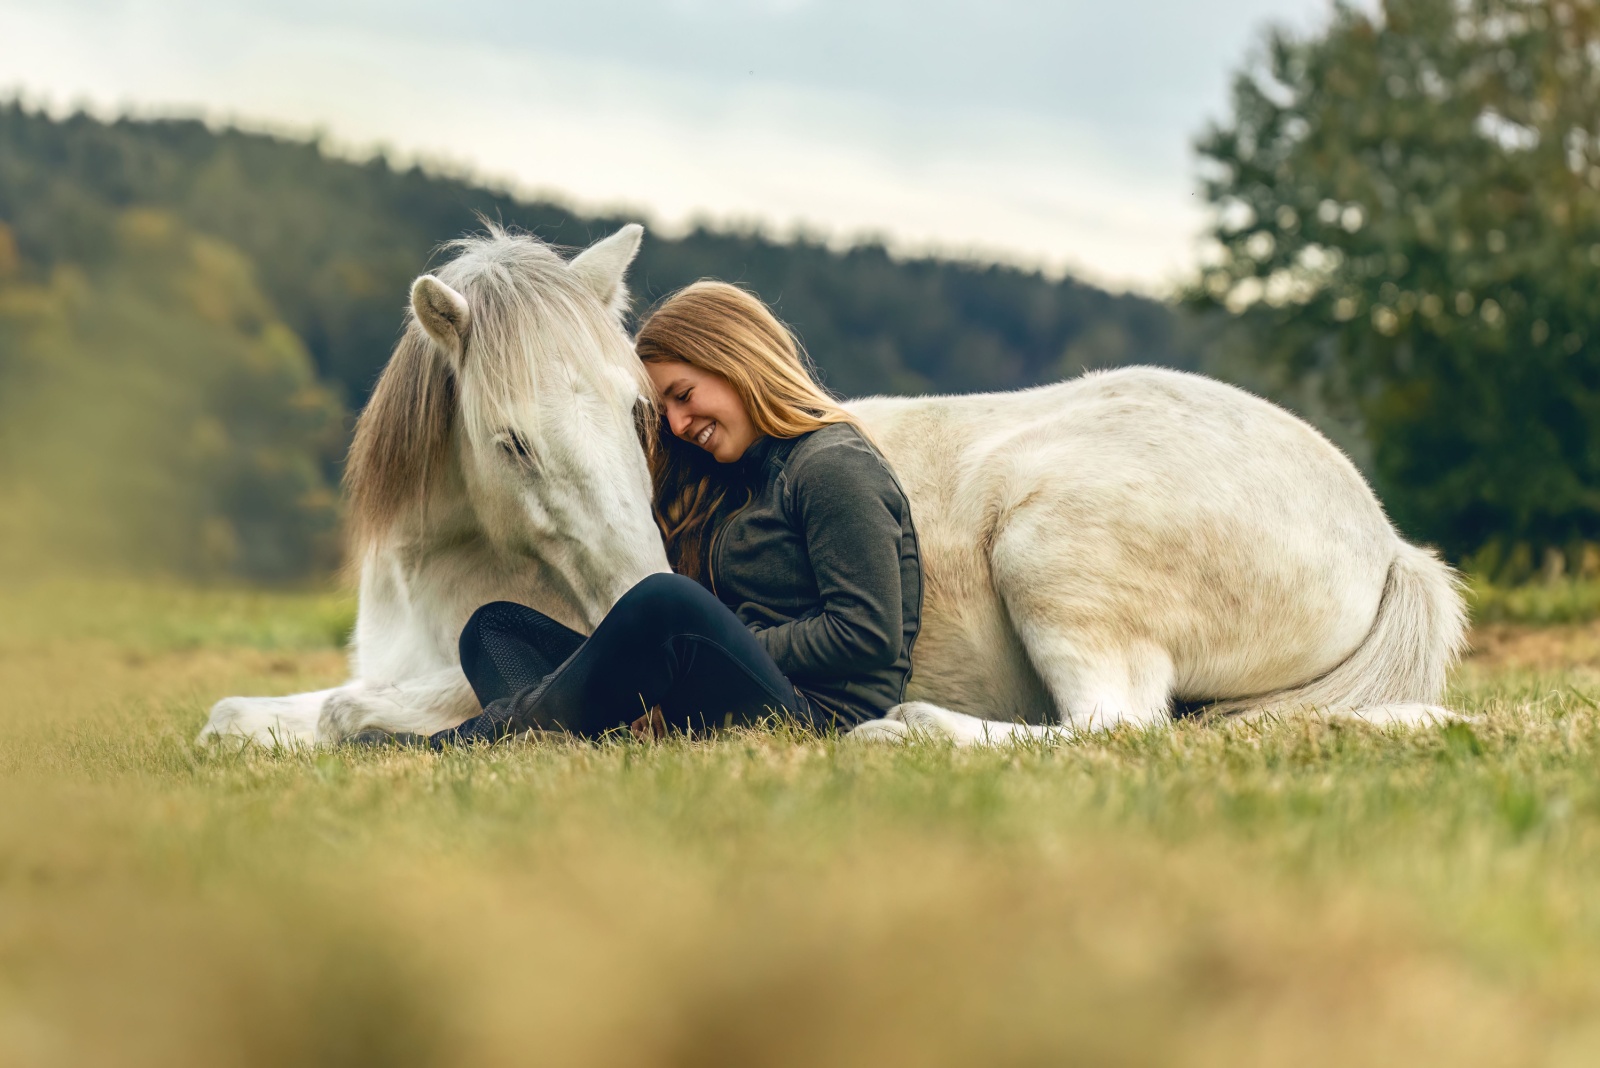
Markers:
<point>760,451</point>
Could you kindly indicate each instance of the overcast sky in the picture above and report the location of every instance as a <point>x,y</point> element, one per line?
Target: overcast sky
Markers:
<point>1055,134</point>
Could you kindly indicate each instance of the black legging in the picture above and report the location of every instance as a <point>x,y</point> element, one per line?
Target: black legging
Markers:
<point>667,642</point>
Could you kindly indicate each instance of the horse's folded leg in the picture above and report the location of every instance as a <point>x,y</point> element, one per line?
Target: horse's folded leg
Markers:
<point>929,722</point>
<point>925,721</point>
<point>424,705</point>
<point>1407,714</point>
<point>878,730</point>
<point>343,717</point>
<point>269,721</point>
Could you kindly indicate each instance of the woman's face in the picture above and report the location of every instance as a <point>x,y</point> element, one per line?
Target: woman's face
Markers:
<point>703,409</point>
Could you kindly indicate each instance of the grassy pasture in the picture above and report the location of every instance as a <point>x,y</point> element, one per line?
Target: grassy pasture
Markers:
<point>1206,895</point>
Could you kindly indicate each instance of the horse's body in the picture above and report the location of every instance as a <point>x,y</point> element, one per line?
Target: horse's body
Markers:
<point>1094,551</point>
<point>1097,551</point>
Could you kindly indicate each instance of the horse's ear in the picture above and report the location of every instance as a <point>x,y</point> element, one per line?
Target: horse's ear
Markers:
<point>603,264</point>
<point>443,313</point>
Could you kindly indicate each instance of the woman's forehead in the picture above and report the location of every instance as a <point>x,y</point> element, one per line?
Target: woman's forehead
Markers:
<point>667,373</point>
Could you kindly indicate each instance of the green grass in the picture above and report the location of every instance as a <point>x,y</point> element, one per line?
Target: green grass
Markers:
<point>163,618</point>
<point>1260,893</point>
<point>1573,600</point>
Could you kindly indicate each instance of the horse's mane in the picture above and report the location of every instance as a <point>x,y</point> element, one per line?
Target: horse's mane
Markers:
<point>529,313</point>
<point>402,437</point>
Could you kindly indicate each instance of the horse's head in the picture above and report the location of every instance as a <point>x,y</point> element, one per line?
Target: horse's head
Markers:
<point>515,374</point>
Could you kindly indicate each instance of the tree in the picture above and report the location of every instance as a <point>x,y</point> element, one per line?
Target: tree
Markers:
<point>1407,205</point>
<point>155,414</point>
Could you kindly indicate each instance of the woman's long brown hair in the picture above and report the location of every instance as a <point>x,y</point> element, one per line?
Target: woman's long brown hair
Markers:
<point>720,328</point>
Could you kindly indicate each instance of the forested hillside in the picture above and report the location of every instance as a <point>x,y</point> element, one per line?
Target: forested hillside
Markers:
<point>336,243</point>
<point>155,413</point>
<point>188,318</point>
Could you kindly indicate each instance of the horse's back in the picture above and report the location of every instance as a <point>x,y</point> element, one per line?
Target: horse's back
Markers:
<point>1157,504</point>
<point>1152,440</point>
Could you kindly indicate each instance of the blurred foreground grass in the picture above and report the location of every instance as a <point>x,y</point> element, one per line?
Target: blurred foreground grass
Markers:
<point>1233,894</point>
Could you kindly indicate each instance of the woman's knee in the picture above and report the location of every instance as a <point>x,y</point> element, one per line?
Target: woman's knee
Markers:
<point>666,596</point>
<point>494,616</point>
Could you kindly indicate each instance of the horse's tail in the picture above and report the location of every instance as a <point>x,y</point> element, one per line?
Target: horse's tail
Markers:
<point>1397,673</point>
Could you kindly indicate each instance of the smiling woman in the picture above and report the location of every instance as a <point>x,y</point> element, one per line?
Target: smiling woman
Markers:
<point>718,357</point>
<point>809,593</point>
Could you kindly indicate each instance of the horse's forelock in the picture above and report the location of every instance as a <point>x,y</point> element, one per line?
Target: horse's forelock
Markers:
<point>534,323</point>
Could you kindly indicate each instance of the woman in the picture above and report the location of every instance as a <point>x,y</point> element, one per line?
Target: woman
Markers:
<point>798,587</point>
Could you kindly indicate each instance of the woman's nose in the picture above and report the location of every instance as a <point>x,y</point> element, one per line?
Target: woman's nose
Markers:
<point>679,421</point>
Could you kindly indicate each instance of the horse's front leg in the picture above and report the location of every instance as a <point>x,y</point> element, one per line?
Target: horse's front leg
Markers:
<point>426,704</point>
<point>286,721</point>
<point>923,721</point>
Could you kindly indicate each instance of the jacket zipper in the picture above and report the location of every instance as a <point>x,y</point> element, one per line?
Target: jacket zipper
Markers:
<point>716,539</point>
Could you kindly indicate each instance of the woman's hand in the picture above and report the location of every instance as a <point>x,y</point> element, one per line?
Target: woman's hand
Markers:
<point>650,727</point>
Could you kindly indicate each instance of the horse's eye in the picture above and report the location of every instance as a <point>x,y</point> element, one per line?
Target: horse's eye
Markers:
<point>516,448</point>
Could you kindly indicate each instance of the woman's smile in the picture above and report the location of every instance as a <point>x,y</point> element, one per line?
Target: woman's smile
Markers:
<point>703,409</point>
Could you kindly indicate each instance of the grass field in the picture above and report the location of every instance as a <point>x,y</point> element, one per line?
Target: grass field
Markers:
<point>1256,894</point>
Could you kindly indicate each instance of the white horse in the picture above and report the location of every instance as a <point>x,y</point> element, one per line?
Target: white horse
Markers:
<point>1095,552</point>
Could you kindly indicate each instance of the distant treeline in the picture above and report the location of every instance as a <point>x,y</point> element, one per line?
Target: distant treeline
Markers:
<point>337,243</point>
<point>188,317</point>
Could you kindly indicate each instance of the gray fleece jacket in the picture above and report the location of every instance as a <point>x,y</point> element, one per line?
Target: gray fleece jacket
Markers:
<point>821,564</point>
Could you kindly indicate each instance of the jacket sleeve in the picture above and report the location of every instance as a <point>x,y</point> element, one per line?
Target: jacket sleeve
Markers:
<point>849,508</point>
